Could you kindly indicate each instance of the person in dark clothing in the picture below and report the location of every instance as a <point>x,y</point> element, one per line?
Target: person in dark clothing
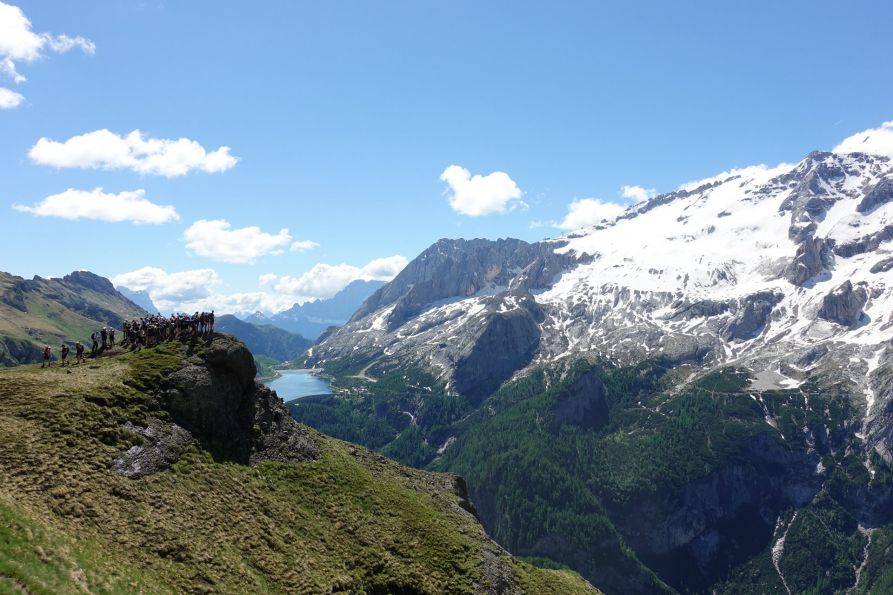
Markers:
<point>105,337</point>
<point>46,357</point>
<point>95,338</point>
<point>111,337</point>
<point>78,352</point>
<point>64,351</point>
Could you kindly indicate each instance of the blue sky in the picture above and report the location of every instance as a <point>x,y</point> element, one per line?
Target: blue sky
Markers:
<point>342,118</point>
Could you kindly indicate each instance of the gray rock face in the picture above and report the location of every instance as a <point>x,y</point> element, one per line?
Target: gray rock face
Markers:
<point>882,193</point>
<point>163,445</point>
<point>583,403</point>
<point>700,309</point>
<point>461,268</point>
<point>882,266</point>
<point>216,398</point>
<point>866,243</point>
<point>752,316</point>
<point>813,256</point>
<point>844,305</point>
<point>507,343</point>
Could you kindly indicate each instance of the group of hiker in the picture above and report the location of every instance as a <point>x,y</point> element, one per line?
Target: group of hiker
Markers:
<point>146,331</point>
<point>153,329</point>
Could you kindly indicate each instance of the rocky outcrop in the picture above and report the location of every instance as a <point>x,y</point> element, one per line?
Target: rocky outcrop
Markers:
<point>91,281</point>
<point>461,268</point>
<point>216,398</point>
<point>882,266</point>
<point>866,243</point>
<point>162,445</point>
<point>699,309</point>
<point>507,343</point>
<point>752,316</point>
<point>882,193</point>
<point>813,257</point>
<point>844,304</point>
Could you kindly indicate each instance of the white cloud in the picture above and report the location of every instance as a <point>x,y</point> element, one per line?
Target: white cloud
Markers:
<point>874,140</point>
<point>637,194</point>
<point>95,204</point>
<point>216,240</point>
<point>303,245</point>
<point>325,280</point>
<point>585,212</point>
<point>18,43</point>
<point>481,195</point>
<point>103,149</point>
<point>169,291</point>
<point>10,99</point>
<point>189,291</point>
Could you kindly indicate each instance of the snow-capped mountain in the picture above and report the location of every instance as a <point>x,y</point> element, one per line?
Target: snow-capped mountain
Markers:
<point>785,270</point>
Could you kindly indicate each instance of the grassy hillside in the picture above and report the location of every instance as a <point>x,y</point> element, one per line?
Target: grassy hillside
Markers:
<point>38,311</point>
<point>345,521</point>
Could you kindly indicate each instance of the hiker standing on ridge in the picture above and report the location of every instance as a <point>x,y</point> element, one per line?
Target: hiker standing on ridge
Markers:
<point>46,357</point>
<point>64,350</point>
<point>105,338</point>
<point>111,336</point>
<point>78,352</point>
<point>95,338</point>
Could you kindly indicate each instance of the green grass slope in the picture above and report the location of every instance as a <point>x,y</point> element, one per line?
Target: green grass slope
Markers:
<point>348,521</point>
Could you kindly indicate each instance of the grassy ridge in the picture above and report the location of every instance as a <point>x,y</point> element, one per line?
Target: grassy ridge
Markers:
<point>349,521</point>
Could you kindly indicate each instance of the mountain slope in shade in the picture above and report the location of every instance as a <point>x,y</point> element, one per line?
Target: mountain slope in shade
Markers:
<point>38,311</point>
<point>311,319</point>
<point>264,339</point>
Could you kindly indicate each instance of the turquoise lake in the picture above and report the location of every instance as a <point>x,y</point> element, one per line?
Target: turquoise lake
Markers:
<point>294,384</point>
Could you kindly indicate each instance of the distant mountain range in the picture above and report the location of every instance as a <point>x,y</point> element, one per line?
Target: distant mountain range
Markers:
<point>39,311</point>
<point>140,298</point>
<point>311,319</point>
<point>264,339</point>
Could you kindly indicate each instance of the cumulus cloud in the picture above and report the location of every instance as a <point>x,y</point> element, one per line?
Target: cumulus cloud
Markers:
<point>325,280</point>
<point>584,212</point>
<point>75,204</point>
<point>217,240</point>
<point>303,245</point>
<point>188,291</point>
<point>637,194</point>
<point>169,291</point>
<point>18,43</point>
<point>10,99</point>
<point>103,149</point>
<point>874,140</point>
<point>481,195</point>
